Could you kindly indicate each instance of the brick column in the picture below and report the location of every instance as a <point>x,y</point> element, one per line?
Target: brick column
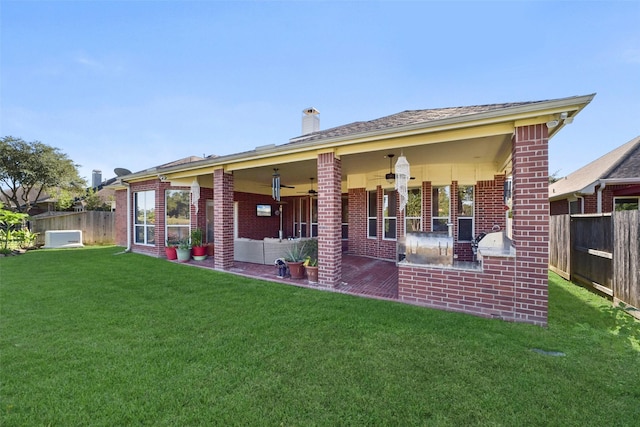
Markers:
<point>329,220</point>
<point>223,219</point>
<point>531,222</point>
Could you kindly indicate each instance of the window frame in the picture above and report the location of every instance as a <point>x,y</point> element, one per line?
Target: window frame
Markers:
<point>461,205</point>
<point>390,214</point>
<point>408,218</point>
<point>435,205</point>
<point>615,199</point>
<point>148,225</point>
<point>186,226</point>
<point>580,202</point>
<point>372,219</point>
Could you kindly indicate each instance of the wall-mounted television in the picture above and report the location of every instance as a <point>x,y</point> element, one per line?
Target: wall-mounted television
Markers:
<point>263,210</point>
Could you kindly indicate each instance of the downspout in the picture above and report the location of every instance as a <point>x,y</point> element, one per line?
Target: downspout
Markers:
<point>599,195</point>
<point>126,184</point>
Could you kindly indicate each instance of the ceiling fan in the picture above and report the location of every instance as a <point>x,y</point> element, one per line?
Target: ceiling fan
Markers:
<point>390,177</point>
<point>311,191</point>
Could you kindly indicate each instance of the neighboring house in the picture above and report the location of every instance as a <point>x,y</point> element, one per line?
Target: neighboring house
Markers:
<point>42,204</point>
<point>473,170</point>
<point>609,183</point>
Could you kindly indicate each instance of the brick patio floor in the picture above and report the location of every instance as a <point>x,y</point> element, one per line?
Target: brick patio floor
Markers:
<point>369,277</point>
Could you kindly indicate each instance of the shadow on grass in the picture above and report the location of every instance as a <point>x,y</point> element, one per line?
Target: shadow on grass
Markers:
<point>571,304</point>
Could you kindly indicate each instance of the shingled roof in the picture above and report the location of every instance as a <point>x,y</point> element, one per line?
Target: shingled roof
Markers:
<point>406,118</point>
<point>620,163</point>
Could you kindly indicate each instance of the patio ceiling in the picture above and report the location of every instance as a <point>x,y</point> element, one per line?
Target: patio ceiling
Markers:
<point>493,152</point>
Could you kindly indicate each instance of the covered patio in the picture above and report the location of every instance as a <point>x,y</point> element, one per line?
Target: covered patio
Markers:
<point>465,172</point>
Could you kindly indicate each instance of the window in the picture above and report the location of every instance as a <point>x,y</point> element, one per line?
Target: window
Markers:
<point>413,211</point>
<point>314,217</point>
<point>625,203</point>
<point>465,213</point>
<point>372,225</point>
<point>441,201</point>
<point>145,217</point>
<point>575,206</point>
<point>300,217</point>
<point>177,215</point>
<point>389,208</point>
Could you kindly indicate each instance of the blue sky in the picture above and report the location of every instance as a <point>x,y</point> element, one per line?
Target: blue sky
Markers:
<point>135,84</point>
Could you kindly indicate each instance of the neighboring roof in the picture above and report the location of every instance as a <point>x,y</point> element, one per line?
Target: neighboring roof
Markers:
<point>408,117</point>
<point>621,164</point>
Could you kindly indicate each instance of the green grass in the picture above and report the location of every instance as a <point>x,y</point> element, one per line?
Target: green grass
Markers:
<point>88,337</point>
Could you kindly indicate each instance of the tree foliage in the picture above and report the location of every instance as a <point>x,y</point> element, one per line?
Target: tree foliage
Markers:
<point>93,201</point>
<point>30,169</point>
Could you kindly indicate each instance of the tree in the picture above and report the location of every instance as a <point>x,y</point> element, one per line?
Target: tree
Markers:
<point>93,201</point>
<point>29,169</point>
<point>554,177</point>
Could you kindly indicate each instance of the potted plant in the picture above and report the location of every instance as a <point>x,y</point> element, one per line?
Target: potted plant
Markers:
<point>184,250</point>
<point>295,257</point>
<point>311,267</point>
<point>311,261</point>
<point>199,251</point>
<point>170,251</point>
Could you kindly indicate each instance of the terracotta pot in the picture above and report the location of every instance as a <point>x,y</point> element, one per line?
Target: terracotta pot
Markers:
<point>312,274</point>
<point>170,252</point>
<point>296,269</point>
<point>210,249</point>
<point>199,251</point>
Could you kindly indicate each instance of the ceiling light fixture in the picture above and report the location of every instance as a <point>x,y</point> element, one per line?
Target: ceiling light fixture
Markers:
<point>390,177</point>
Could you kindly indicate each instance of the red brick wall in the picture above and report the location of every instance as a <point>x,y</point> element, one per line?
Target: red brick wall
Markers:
<point>257,227</point>
<point>200,219</point>
<point>487,293</point>
<point>489,205</point>
<point>512,288</point>
<point>531,222</point>
<point>357,221</point>
<point>590,203</point>
<point>559,207</point>
<point>329,220</point>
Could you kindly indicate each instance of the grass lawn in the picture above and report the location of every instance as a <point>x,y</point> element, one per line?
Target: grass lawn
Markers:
<point>88,337</point>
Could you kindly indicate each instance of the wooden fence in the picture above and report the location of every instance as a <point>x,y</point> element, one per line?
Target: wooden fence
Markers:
<point>601,251</point>
<point>98,227</point>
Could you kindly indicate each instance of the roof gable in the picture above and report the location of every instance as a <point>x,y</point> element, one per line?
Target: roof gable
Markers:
<point>620,163</point>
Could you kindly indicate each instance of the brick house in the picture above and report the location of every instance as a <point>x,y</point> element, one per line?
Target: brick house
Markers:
<point>468,167</point>
<point>611,182</point>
